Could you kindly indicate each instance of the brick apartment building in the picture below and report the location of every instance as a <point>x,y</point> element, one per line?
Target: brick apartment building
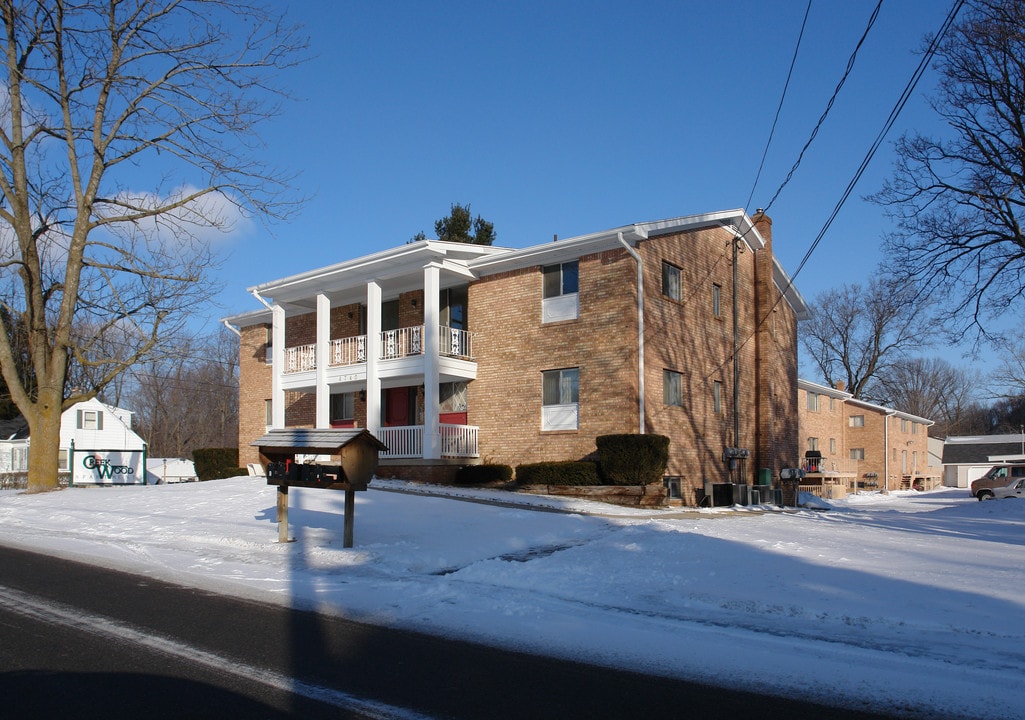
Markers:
<point>878,447</point>
<point>684,327</point>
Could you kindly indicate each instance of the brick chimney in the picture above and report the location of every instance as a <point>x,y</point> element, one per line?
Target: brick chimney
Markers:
<point>763,224</point>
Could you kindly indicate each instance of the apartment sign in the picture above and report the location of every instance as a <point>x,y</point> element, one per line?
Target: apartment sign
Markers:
<point>108,467</point>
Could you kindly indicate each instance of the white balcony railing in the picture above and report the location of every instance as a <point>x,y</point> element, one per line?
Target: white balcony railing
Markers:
<point>407,441</point>
<point>394,344</point>
<point>349,351</point>
<point>455,343</point>
<point>300,358</point>
<point>402,342</point>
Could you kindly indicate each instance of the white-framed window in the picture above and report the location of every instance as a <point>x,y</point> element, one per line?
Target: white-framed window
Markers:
<point>857,454</point>
<point>903,425</point>
<point>857,421</point>
<point>832,403</point>
<point>672,388</point>
<point>268,410</point>
<point>62,459</point>
<point>89,419</point>
<point>560,399</point>
<point>672,281</point>
<point>813,443</point>
<point>560,292</point>
<point>832,446</point>
<point>717,300</point>
<point>19,459</point>
<point>717,396</point>
<point>914,428</point>
<point>269,348</point>
<point>343,407</point>
<point>813,401</point>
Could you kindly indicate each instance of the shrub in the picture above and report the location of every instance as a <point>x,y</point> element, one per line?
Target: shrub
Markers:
<point>632,459</point>
<point>215,463</point>
<point>483,474</point>
<point>570,472</point>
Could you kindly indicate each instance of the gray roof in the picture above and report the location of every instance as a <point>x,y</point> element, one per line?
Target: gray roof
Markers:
<point>979,453</point>
<point>321,440</point>
<point>15,428</point>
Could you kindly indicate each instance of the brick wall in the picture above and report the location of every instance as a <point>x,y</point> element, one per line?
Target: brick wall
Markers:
<point>254,390</point>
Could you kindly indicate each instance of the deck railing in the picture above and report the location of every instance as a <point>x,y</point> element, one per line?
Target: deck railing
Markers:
<point>407,441</point>
<point>394,344</point>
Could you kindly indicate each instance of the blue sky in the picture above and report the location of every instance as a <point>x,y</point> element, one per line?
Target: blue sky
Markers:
<point>570,117</point>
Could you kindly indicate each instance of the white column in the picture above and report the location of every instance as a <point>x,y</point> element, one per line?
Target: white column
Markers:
<point>323,352</point>
<point>277,366</point>
<point>432,375</point>
<point>373,357</point>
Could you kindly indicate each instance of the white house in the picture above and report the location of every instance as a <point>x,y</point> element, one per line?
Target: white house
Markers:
<point>97,447</point>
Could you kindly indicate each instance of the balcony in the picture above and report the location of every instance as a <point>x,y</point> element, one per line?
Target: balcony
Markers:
<point>457,441</point>
<point>394,344</point>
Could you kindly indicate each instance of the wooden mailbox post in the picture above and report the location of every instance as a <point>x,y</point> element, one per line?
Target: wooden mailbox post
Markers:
<point>357,451</point>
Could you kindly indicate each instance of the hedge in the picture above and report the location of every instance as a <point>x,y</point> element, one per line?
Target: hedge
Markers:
<point>483,474</point>
<point>216,463</point>
<point>570,472</point>
<point>632,459</point>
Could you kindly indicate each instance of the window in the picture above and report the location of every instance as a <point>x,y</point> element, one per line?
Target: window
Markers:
<point>857,421</point>
<point>672,388</point>
<point>832,402</point>
<point>672,281</point>
<point>717,396</point>
<point>832,446</point>
<point>561,289</point>
<point>62,459</point>
<point>268,409</point>
<point>813,401</point>
<point>560,399</point>
<point>813,443</point>
<point>89,420</point>
<point>857,453</point>
<point>903,425</point>
<point>717,300</point>
<point>914,428</point>
<point>269,352</point>
<point>343,408</point>
<point>19,459</point>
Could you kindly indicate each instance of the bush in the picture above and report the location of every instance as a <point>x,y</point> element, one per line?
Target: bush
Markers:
<point>570,472</point>
<point>216,463</point>
<point>483,474</point>
<point>632,459</point>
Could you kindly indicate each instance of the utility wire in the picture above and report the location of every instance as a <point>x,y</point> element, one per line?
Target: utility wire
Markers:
<point>779,108</point>
<point>829,105</point>
<point>890,120</point>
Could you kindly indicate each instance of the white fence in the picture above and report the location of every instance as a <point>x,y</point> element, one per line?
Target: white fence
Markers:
<point>407,441</point>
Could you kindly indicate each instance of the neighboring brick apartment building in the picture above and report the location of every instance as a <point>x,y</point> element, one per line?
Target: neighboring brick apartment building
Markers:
<point>530,354</point>
<point>876,444</point>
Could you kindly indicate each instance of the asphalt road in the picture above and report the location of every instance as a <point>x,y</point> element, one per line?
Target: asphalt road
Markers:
<point>77,641</point>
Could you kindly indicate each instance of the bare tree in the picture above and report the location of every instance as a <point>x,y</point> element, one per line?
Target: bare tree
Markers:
<point>1009,377</point>
<point>856,333</point>
<point>931,388</point>
<point>94,91</point>
<point>189,399</point>
<point>957,201</point>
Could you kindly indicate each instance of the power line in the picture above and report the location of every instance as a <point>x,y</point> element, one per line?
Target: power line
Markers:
<point>779,108</point>
<point>829,105</point>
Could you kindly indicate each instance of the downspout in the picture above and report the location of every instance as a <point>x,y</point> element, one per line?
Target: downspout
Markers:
<point>259,297</point>
<point>640,330</point>
<point>232,328</point>
<point>886,452</point>
<point>736,348</point>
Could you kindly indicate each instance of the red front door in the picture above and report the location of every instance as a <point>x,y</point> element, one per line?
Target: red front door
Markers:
<point>396,407</point>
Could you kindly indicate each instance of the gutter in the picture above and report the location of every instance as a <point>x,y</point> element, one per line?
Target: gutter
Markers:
<point>640,329</point>
<point>256,294</point>
<point>232,327</point>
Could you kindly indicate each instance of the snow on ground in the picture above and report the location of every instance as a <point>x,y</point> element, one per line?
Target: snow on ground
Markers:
<point>909,601</point>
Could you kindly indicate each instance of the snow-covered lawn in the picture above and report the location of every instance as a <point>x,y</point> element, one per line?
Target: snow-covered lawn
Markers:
<point>911,601</point>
